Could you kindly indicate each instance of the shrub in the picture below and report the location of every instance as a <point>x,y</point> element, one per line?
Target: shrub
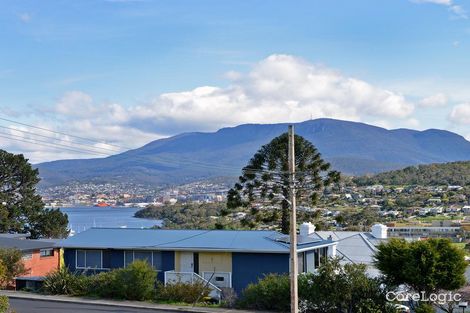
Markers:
<point>12,261</point>
<point>182,292</point>
<point>424,308</point>
<point>103,285</point>
<point>135,282</point>
<point>60,282</point>
<point>270,293</point>
<point>4,304</point>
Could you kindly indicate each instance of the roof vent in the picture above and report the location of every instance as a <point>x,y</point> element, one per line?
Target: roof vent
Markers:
<point>307,229</point>
<point>379,231</point>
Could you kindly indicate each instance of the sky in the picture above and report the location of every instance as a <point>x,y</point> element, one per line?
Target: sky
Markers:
<point>95,77</point>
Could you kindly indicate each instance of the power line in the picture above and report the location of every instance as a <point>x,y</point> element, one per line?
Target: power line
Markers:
<point>56,139</point>
<point>62,133</point>
<point>96,150</point>
<point>47,145</point>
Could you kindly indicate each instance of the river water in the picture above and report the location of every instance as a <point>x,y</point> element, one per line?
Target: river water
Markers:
<point>83,217</point>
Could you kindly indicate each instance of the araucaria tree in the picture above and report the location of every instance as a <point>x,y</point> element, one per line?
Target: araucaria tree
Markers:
<point>264,183</point>
<point>21,208</point>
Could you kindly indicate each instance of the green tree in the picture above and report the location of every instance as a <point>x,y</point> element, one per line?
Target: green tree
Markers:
<point>266,179</point>
<point>334,288</point>
<point>11,261</point>
<point>427,266</point>
<point>21,208</point>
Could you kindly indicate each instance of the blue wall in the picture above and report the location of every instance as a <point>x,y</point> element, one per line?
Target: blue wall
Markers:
<point>115,259</point>
<point>249,267</point>
<point>246,267</point>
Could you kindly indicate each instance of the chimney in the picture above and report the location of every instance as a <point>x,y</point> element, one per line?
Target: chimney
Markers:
<point>307,229</point>
<point>379,231</point>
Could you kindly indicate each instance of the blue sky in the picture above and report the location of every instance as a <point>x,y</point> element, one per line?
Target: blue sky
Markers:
<point>129,71</point>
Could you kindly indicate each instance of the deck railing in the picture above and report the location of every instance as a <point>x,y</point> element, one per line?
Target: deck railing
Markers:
<point>191,278</point>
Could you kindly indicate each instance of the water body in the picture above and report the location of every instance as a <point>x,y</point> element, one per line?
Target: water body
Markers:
<point>84,217</point>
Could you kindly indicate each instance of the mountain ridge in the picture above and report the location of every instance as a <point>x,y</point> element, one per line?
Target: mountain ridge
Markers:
<point>352,147</point>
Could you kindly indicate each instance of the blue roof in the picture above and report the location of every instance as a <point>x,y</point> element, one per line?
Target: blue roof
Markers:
<point>260,241</point>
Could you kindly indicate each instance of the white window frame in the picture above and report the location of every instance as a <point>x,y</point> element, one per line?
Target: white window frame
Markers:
<point>215,273</point>
<point>46,256</point>
<point>27,256</point>
<point>133,257</point>
<point>90,268</point>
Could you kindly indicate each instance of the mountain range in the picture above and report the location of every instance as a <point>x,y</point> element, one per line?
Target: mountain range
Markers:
<point>351,147</point>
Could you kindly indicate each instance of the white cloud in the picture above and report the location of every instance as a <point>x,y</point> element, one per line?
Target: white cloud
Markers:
<point>24,17</point>
<point>279,88</point>
<point>412,123</point>
<point>437,100</point>
<point>460,114</point>
<point>443,2</point>
<point>457,10</point>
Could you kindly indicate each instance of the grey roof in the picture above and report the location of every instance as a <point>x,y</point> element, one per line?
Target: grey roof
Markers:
<point>198,240</point>
<point>25,244</point>
<point>355,247</point>
<point>14,235</point>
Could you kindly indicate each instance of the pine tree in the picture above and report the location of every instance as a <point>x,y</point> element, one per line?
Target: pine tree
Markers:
<point>264,182</point>
<point>21,208</point>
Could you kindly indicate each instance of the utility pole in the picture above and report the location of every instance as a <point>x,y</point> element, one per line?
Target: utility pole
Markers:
<point>294,301</point>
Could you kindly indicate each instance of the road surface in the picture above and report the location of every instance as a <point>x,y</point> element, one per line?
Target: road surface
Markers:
<point>40,306</point>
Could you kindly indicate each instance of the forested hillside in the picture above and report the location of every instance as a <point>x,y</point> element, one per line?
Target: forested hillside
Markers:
<point>454,173</point>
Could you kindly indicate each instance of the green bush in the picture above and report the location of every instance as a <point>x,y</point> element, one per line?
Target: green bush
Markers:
<point>4,304</point>
<point>424,308</point>
<point>135,282</point>
<point>182,292</point>
<point>60,282</point>
<point>104,285</point>
<point>12,265</point>
<point>333,288</point>
<point>270,293</point>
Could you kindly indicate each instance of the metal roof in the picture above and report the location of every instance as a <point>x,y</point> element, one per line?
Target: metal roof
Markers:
<point>356,247</point>
<point>260,241</point>
<point>25,244</point>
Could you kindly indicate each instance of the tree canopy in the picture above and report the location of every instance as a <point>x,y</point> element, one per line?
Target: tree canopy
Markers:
<point>21,208</point>
<point>11,265</point>
<point>454,173</point>
<point>264,182</point>
<point>425,266</point>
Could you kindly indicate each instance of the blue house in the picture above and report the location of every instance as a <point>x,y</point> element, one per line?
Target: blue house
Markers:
<point>225,258</point>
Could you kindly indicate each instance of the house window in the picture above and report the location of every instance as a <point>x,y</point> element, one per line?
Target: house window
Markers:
<point>89,259</point>
<point>27,256</point>
<point>309,261</point>
<point>46,252</point>
<point>153,258</point>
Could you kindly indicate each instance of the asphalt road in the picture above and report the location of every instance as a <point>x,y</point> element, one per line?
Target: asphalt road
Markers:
<point>40,306</point>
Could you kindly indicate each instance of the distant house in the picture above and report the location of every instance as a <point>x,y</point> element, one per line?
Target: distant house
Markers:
<point>226,258</point>
<point>422,232</point>
<point>39,257</point>
<point>357,247</point>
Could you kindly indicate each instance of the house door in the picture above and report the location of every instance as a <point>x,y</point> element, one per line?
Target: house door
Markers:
<point>186,262</point>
